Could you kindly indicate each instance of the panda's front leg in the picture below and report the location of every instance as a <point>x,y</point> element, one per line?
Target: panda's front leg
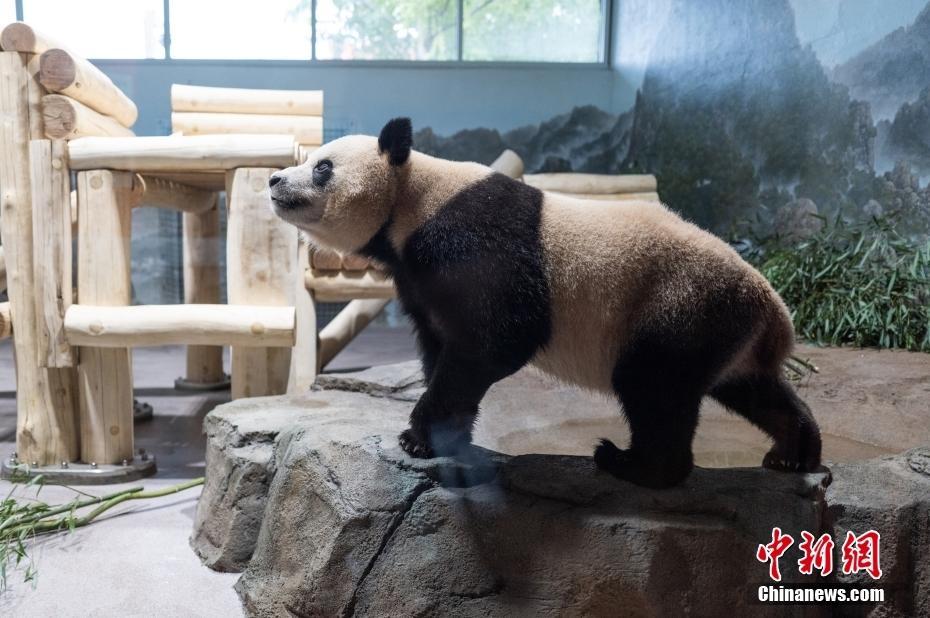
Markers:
<point>442,420</point>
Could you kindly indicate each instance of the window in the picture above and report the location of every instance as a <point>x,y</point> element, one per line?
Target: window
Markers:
<point>387,30</point>
<point>7,12</point>
<point>403,30</point>
<point>532,30</point>
<point>101,28</point>
<point>271,29</point>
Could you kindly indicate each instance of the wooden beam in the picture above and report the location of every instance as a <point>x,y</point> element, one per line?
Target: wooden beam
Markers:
<point>307,130</point>
<point>6,323</point>
<point>261,266</point>
<point>162,193</point>
<point>325,259</point>
<point>509,164</point>
<point>45,404</point>
<point>304,355</point>
<point>61,72</point>
<point>348,285</point>
<point>22,37</point>
<point>51,235</point>
<point>186,98</point>
<point>105,200</point>
<point>201,249</point>
<point>592,183</point>
<point>349,322</point>
<point>67,118</point>
<point>182,153</point>
<point>152,325</point>
<point>649,196</point>
<point>303,153</point>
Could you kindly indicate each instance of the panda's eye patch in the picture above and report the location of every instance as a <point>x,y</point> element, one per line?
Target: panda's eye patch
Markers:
<point>322,172</point>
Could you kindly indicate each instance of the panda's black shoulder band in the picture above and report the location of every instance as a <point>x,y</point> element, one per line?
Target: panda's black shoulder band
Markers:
<point>396,139</point>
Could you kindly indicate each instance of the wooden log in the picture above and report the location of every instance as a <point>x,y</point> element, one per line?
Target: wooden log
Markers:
<point>46,430</point>
<point>154,325</point>
<point>22,37</point>
<point>61,72</point>
<point>649,196</point>
<point>261,265</point>
<point>304,361</point>
<point>592,183</point>
<point>66,118</point>
<point>343,328</point>
<point>307,130</point>
<point>183,153</point>
<point>509,164</point>
<point>201,250</point>
<point>105,200</point>
<point>6,323</point>
<point>355,262</point>
<point>162,193</point>
<point>348,285</point>
<point>186,98</point>
<point>304,152</point>
<point>325,259</point>
<point>51,243</point>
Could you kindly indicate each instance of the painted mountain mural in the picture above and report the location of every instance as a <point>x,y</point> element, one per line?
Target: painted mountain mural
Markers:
<point>893,71</point>
<point>737,119</point>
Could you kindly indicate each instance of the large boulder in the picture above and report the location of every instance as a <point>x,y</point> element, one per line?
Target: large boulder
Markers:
<point>313,499</point>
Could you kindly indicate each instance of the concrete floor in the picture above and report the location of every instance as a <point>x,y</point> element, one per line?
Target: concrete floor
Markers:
<point>135,560</point>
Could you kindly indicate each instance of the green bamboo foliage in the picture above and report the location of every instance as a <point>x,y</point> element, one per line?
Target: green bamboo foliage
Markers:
<point>23,518</point>
<point>861,284</point>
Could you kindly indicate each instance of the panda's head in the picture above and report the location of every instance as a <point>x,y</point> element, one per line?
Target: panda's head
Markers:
<point>345,191</point>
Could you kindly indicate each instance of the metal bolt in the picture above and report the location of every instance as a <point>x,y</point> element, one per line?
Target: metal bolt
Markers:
<point>35,464</point>
<point>125,462</point>
<point>93,465</point>
<point>64,464</point>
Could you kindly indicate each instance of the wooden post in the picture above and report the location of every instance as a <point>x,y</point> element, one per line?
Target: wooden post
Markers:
<point>304,355</point>
<point>105,201</point>
<point>347,324</point>
<point>51,234</point>
<point>201,233</point>
<point>2,270</point>
<point>45,403</point>
<point>261,265</point>
<point>6,324</point>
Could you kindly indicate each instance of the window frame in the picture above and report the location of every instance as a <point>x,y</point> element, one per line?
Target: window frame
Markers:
<point>605,37</point>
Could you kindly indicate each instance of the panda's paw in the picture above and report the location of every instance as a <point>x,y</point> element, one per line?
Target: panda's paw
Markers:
<point>778,459</point>
<point>414,446</point>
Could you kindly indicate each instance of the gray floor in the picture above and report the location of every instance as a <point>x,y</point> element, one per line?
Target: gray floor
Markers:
<point>135,561</point>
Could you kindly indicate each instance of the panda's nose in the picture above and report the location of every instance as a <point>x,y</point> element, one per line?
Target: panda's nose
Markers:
<point>275,179</point>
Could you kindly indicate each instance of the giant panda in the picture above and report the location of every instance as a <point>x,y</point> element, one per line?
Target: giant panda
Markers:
<point>628,300</point>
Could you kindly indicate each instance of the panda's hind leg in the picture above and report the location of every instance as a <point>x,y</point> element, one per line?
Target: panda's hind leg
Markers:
<point>770,403</point>
<point>662,411</point>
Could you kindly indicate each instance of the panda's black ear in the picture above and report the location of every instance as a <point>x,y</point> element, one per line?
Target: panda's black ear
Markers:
<point>396,139</point>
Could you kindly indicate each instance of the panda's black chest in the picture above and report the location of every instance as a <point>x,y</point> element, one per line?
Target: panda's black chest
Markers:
<point>473,275</point>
